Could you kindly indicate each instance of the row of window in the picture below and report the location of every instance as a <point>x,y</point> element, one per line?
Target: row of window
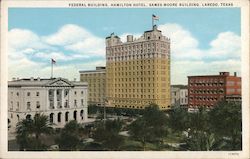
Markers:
<point>207,91</point>
<point>96,85</point>
<point>207,84</point>
<point>139,84</point>
<point>66,104</point>
<point>136,46</point>
<point>139,96</point>
<point>136,107</point>
<point>140,62</point>
<point>152,55</point>
<point>138,79</point>
<point>202,81</point>
<point>96,95</point>
<point>27,94</point>
<point>59,92</point>
<point>204,98</point>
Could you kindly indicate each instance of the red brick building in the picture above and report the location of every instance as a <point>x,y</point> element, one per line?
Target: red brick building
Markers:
<point>207,90</point>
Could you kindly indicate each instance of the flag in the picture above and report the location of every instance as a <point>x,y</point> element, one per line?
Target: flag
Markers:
<point>53,61</point>
<point>155,17</point>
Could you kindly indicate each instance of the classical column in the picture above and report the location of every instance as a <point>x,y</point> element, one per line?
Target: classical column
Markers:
<point>63,119</point>
<point>55,100</point>
<point>62,97</point>
<point>47,99</point>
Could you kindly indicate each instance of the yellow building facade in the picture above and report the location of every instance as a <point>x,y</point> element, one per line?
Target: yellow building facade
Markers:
<point>96,80</point>
<point>138,71</point>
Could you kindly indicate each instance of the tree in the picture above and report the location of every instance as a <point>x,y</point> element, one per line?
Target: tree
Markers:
<point>203,141</point>
<point>107,134</point>
<point>178,119</point>
<point>226,122</point>
<point>30,130</point>
<point>70,136</point>
<point>199,121</point>
<point>151,127</point>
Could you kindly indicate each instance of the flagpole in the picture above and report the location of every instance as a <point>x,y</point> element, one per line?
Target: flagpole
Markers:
<point>51,68</point>
<point>152,21</point>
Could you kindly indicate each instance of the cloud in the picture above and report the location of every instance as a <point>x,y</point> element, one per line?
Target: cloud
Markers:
<point>79,49</point>
<point>71,71</point>
<point>227,44</point>
<point>181,69</point>
<point>77,39</point>
<point>184,46</point>
<point>59,56</point>
<point>188,59</point>
<point>70,46</point>
<point>22,39</point>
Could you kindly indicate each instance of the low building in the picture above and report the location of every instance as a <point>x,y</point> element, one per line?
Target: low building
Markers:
<point>58,98</point>
<point>207,90</point>
<point>184,97</point>
<point>179,95</point>
<point>96,81</point>
<point>175,96</point>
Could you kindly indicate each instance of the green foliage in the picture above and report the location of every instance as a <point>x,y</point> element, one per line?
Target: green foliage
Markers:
<point>226,122</point>
<point>106,134</point>
<point>218,128</point>
<point>202,141</point>
<point>29,132</point>
<point>151,127</point>
<point>199,121</point>
<point>69,138</point>
<point>178,119</point>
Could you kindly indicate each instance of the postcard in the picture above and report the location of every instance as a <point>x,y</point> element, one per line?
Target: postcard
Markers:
<point>125,79</point>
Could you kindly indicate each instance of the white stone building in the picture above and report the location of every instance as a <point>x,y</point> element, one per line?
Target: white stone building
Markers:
<point>179,95</point>
<point>61,100</point>
<point>183,97</point>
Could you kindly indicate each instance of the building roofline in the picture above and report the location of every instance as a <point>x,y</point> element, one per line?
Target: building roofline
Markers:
<point>214,76</point>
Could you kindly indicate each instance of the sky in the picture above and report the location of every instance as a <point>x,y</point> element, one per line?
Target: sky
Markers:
<point>203,41</point>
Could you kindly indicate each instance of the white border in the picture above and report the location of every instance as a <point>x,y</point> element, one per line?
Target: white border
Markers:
<point>243,4</point>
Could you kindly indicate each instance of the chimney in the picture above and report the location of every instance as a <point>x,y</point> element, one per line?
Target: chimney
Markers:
<point>13,79</point>
<point>74,79</point>
<point>31,78</point>
<point>38,79</point>
<point>235,74</point>
<point>129,38</point>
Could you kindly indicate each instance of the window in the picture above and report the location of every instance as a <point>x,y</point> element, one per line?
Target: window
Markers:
<point>37,104</point>
<point>28,105</point>
<point>82,102</point>
<point>17,105</point>
<point>28,93</point>
<point>37,94</point>
<point>11,108</point>
<point>17,93</point>
<point>75,103</point>
<point>75,92</point>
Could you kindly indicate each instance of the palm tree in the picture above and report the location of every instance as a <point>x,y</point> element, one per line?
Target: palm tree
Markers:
<point>27,129</point>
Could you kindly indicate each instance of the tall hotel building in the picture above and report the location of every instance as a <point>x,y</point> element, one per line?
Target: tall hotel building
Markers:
<point>138,70</point>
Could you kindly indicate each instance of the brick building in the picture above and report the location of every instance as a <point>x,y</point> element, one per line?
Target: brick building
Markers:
<point>207,90</point>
